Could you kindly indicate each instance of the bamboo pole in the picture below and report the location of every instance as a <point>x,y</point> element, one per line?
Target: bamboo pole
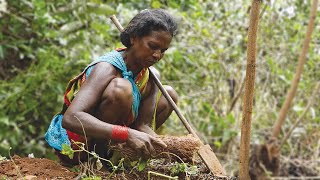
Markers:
<point>249,90</point>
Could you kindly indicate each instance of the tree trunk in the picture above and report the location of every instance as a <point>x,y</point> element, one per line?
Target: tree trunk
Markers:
<point>249,89</point>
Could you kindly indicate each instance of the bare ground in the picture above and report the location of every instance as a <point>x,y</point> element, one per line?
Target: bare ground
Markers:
<point>40,168</point>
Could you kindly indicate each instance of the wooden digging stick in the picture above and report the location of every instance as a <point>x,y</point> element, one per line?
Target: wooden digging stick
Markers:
<point>205,152</point>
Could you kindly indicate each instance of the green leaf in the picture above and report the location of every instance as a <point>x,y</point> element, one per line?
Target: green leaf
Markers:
<point>231,119</point>
<point>102,9</point>
<point>142,164</point>
<point>178,168</point>
<point>155,4</point>
<point>217,144</point>
<point>92,178</point>
<point>75,169</point>
<point>1,53</point>
<point>4,120</point>
<point>174,170</point>
<point>70,27</point>
<point>205,32</point>
<point>67,150</point>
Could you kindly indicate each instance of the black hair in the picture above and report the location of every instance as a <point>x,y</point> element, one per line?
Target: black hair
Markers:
<point>145,22</point>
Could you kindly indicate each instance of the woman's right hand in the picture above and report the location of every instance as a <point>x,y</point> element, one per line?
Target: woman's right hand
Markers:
<point>143,143</point>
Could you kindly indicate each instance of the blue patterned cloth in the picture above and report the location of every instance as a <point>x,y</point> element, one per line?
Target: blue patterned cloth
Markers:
<point>56,135</point>
<point>115,58</point>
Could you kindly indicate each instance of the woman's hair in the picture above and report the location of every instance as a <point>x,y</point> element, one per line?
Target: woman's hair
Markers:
<point>145,22</point>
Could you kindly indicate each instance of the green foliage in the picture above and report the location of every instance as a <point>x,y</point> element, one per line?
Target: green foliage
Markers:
<point>216,126</point>
<point>178,168</point>
<point>49,38</point>
<point>75,169</point>
<point>92,178</point>
<point>67,150</point>
<point>142,164</point>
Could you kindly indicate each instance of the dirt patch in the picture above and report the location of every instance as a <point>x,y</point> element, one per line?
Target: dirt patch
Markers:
<point>37,168</point>
<point>40,168</point>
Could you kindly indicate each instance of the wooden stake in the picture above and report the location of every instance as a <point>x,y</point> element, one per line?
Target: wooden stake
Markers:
<point>249,90</point>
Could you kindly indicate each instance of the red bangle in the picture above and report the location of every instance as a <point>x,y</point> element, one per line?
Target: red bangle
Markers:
<point>119,133</point>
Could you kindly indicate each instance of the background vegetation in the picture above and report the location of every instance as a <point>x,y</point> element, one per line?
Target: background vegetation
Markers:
<point>45,43</point>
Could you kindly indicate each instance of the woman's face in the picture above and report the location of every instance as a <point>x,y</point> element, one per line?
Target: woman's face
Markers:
<point>150,49</point>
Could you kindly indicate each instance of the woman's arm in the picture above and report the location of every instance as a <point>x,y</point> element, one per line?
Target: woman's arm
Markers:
<point>79,115</point>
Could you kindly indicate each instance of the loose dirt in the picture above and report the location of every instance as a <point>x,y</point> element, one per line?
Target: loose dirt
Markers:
<point>40,168</point>
<point>34,168</point>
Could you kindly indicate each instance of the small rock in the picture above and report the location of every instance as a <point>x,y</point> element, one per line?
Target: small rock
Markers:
<point>28,177</point>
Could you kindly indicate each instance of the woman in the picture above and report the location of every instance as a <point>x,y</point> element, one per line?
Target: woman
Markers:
<point>114,98</point>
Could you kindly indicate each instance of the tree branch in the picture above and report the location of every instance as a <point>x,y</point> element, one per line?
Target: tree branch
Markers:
<point>294,85</point>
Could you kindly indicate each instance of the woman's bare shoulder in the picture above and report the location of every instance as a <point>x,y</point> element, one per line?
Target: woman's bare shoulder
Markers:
<point>100,76</point>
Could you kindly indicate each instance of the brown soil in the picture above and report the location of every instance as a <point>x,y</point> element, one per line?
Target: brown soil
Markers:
<point>33,168</point>
<point>40,168</point>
